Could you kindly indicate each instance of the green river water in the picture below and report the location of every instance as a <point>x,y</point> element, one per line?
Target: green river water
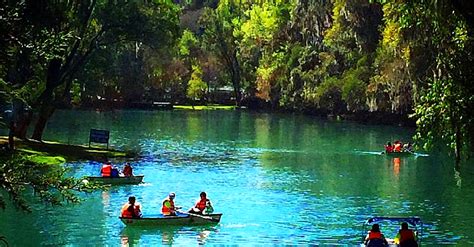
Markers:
<point>278,179</point>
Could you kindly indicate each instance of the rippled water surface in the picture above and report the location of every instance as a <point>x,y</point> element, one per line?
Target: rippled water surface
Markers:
<point>277,179</point>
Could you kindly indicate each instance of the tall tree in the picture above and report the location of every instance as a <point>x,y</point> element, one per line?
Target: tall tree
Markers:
<point>77,29</point>
<point>219,25</point>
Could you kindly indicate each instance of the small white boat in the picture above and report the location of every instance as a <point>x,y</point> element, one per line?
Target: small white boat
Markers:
<point>116,180</point>
<point>182,219</point>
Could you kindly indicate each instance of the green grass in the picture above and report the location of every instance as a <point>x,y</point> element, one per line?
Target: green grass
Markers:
<point>204,107</point>
<point>42,157</point>
<point>56,153</point>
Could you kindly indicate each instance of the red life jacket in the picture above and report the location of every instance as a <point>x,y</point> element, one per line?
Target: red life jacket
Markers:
<point>201,205</point>
<point>397,147</point>
<point>406,234</point>
<point>106,170</point>
<point>127,171</point>
<point>126,213</point>
<point>164,209</point>
<point>375,235</point>
<point>388,149</point>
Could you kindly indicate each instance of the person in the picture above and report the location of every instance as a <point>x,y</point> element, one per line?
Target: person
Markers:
<point>407,147</point>
<point>168,208</point>
<point>397,146</point>
<point>106,169</point>
<point>203,205</point>
<point>375,237</point>
<point>114,172</point>
<point>127,170</point>
<point>388,147</point>
<point>406,237</point>
<point>131,209</point>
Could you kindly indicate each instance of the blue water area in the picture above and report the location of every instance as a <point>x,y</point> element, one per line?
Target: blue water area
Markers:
<point>278,179</point>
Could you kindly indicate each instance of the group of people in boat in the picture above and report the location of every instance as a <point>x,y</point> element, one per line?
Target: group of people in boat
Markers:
<point>108,170</point>
<point>398,146</point>
<point>404,238</point>
<point>203,205</point>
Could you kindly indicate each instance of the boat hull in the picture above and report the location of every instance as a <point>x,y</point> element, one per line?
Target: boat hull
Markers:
<point>117,180</point>
<point>179,220</point>
<point>399,154</point>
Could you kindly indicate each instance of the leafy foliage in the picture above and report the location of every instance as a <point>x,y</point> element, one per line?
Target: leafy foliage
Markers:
<point>21,178</point>
<point>196,86</point>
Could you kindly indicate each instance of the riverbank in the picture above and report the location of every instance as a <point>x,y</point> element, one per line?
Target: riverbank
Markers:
<point>56,153</point>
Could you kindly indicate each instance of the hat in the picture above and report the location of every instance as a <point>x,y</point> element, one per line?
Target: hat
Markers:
<point>172,194</point>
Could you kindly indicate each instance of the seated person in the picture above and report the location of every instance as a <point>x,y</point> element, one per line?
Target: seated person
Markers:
<point>106,169</point>
<point>203,205</point>
<point>114,172</point>
<point>388,147</point>
<point>375,237</point>
<point>168,208</point>
<point>131,209</point>
<point>407,147</point>
<point>127,170</point>
<point>397,146</point>
<point>406,237</point>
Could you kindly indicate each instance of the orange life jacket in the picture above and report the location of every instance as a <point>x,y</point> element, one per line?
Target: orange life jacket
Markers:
<point>201,205</point>
<point>375,235</point>
<point>126,213</point>
<point>167,210</point>
<point>406,234</point>
<point>106,170</point>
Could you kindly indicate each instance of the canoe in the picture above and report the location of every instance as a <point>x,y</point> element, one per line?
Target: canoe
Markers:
<point>388,223</point>
<point>178,220</point>
<point>117,180</point>
<point>398,154</point>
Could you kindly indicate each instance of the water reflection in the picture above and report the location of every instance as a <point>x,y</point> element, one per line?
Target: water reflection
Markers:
<point>138,236</point>
<point>396,166</point>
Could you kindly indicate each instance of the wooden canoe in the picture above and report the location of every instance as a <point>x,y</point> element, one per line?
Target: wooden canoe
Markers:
<point>179,220</point>
<point>116,180</point>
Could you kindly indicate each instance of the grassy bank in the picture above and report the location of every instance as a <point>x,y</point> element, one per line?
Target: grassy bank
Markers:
<point>57,153</point>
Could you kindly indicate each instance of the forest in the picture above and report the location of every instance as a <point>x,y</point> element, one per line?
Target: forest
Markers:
<point>353,58</point>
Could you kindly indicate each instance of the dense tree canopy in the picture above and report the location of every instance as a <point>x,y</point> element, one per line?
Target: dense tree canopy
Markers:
<point>342,57</point>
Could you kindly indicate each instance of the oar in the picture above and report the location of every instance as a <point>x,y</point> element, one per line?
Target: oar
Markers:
<point>200,216</point>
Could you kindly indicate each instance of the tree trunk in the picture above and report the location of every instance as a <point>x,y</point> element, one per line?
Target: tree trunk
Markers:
<point>235,70</point>
<point>23,123</point>
<point>11,139</point>
<point>457,148</point>
<point>46,98</point>
<point>45,113</point>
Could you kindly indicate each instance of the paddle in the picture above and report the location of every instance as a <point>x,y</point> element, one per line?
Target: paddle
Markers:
<point>200,216</point>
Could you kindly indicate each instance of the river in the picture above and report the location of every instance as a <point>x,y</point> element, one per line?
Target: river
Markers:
<point>278,179</point>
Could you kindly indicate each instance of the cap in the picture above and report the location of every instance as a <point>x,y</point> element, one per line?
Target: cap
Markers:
<point>172,194</point>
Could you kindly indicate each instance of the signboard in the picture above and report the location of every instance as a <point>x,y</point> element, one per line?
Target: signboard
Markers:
<point>99,136</point>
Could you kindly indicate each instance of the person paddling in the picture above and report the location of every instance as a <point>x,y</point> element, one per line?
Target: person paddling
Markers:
<point>388,148</point>
<point>375,237</point>
<point>406,237</point>
<point>168,208</point>
<point>131,209</point>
